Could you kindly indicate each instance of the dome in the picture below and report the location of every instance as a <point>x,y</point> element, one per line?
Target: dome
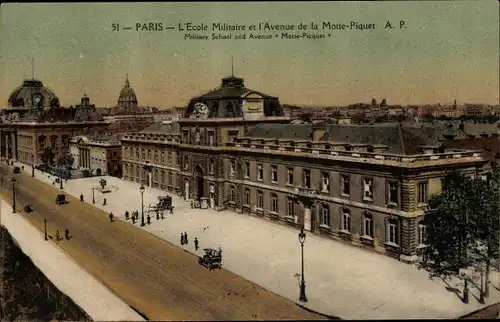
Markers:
<point>127,98</point>
<point>32,93</point>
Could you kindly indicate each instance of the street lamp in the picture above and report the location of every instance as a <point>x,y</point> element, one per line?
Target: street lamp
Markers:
<point>60,182</point>
<point>13,195</point>
<point>142,204</point>
<point>93,195</point>
<point>45,227</point>
<point>302,240</point>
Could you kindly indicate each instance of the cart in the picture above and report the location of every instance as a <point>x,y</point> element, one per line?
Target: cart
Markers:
<point>210,259</point>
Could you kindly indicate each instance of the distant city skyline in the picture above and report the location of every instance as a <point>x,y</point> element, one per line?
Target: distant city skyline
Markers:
<point>448,51</point>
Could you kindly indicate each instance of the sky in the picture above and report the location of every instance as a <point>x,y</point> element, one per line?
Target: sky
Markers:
<point>446,50</point>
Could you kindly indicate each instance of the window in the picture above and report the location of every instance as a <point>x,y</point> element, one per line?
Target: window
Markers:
<point>306,175</point>
<point>170,178</point>
<point>137,171</point>
<point>367,225</point>
<point>162,176</point>
<point>163,157</point>
<point>143,154</point>
<point>247,169</point>
<point>346,185</point>
<point>260,172</point>
<point>247,196</point>
<point>178,160</point>
<point>392,232</point>
<point>211,166</point>
<point>370,149</point>
<point>126,169</point>
<point>345,221</point>
<point>232,194</point>
<point>169,158</point>
<point>186,163</point>
<point>211,138</point>
<point>290,211</point>
<point>53,141</point>
<point>260,200</point>
<point>232,168</point>
<point>422,192</point>
<point>367,189</point>
<point>422,233</point>
<point>325,216</point>
<point>137,153</point>
<point>185,136</point>
<point>394,193</point>
<point>274,203</point>
<point>274,173</point>
<point>155,176</point>
<point>156,156</point>
<point>150,155</point>
<point>289,176</point>
<point>325,182</point>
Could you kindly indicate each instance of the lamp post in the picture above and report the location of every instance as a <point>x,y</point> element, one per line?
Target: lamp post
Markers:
<point>93,195</point>
<point>13,195</point>
<point>45,228</point>
<point>60,182</point>
<point>302,239</point>
<point>142,204</point>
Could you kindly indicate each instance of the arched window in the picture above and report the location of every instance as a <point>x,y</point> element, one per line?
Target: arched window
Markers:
<point>345,220</point>
<point>393,231</point>
<point>324,218</point>
<point>367,228</point>
<point>274,202</point>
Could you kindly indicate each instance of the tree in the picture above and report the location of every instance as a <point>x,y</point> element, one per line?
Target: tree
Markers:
<point>48,156</point>
<point>487,221</point>
<point>66,159</point>
<point>462,225</point>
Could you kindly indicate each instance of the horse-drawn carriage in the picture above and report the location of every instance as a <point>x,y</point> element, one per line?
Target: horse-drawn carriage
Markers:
<point>164,204</point>
<point>211,259</point>
<point>61,199</point>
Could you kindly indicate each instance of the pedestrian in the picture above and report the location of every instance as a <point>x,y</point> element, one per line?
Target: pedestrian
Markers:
<point>133,220</point>
<point>111,216</point>
<point>81,197</point>
<point>104,202</point>
<point>149,219</point>
<point>58,236</point>
<point>185,238</point>
<point>196,243</point>
<point>182,239</point>
<point>66,234</point>
<point>157,214</point>
<point>126,215</point>
<point>219,252</point>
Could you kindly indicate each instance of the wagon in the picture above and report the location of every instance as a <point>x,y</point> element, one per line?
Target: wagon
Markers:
<point>210,259</point>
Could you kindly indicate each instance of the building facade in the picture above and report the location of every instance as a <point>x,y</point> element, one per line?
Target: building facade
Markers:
<point>234,149</point>
<point>102,156</point>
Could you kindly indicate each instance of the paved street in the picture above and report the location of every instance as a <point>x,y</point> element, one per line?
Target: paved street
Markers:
<point>342,280</point>
<point>156,278</point>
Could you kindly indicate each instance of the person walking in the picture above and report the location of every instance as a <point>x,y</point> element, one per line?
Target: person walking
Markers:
<point>66,234</point>
<point>111,217</point>
<point>81,197</point>
<point>185,238</point>
<point>126,215</point>
<point>104,202</point>
<point>182,239</point>
<point>149,219</point>
<point>58,236</point>
<point>133,220</point>
<point>195,243</point>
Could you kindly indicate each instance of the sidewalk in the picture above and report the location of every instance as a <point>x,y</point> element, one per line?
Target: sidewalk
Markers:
<point>341,280</point>
<point>94,298</point>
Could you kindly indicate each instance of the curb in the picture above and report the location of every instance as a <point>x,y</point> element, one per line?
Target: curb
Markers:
<point>476,311</point>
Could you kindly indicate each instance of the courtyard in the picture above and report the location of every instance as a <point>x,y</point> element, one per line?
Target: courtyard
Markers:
<point>341,280</point>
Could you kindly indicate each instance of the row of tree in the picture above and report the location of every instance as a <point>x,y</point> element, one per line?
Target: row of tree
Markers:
<point>48,158</point>
<point>463,227</point>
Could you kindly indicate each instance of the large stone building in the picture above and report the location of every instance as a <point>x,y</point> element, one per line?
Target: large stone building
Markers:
<point>234,149</point>
<point>127,100</point>
<point>35,122</point>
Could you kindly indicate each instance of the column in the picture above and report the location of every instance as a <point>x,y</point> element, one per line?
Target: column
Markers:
<point>149,179</point>
<point>307,217</point>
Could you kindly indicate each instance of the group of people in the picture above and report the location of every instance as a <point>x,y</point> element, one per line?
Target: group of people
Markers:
<point>66,235</point>
<point>195,204</point>
<point>184,240</point>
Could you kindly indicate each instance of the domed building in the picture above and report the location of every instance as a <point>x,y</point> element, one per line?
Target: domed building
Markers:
<point>127,99</point>
<point>32,93</point>
<point>35,123</point>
